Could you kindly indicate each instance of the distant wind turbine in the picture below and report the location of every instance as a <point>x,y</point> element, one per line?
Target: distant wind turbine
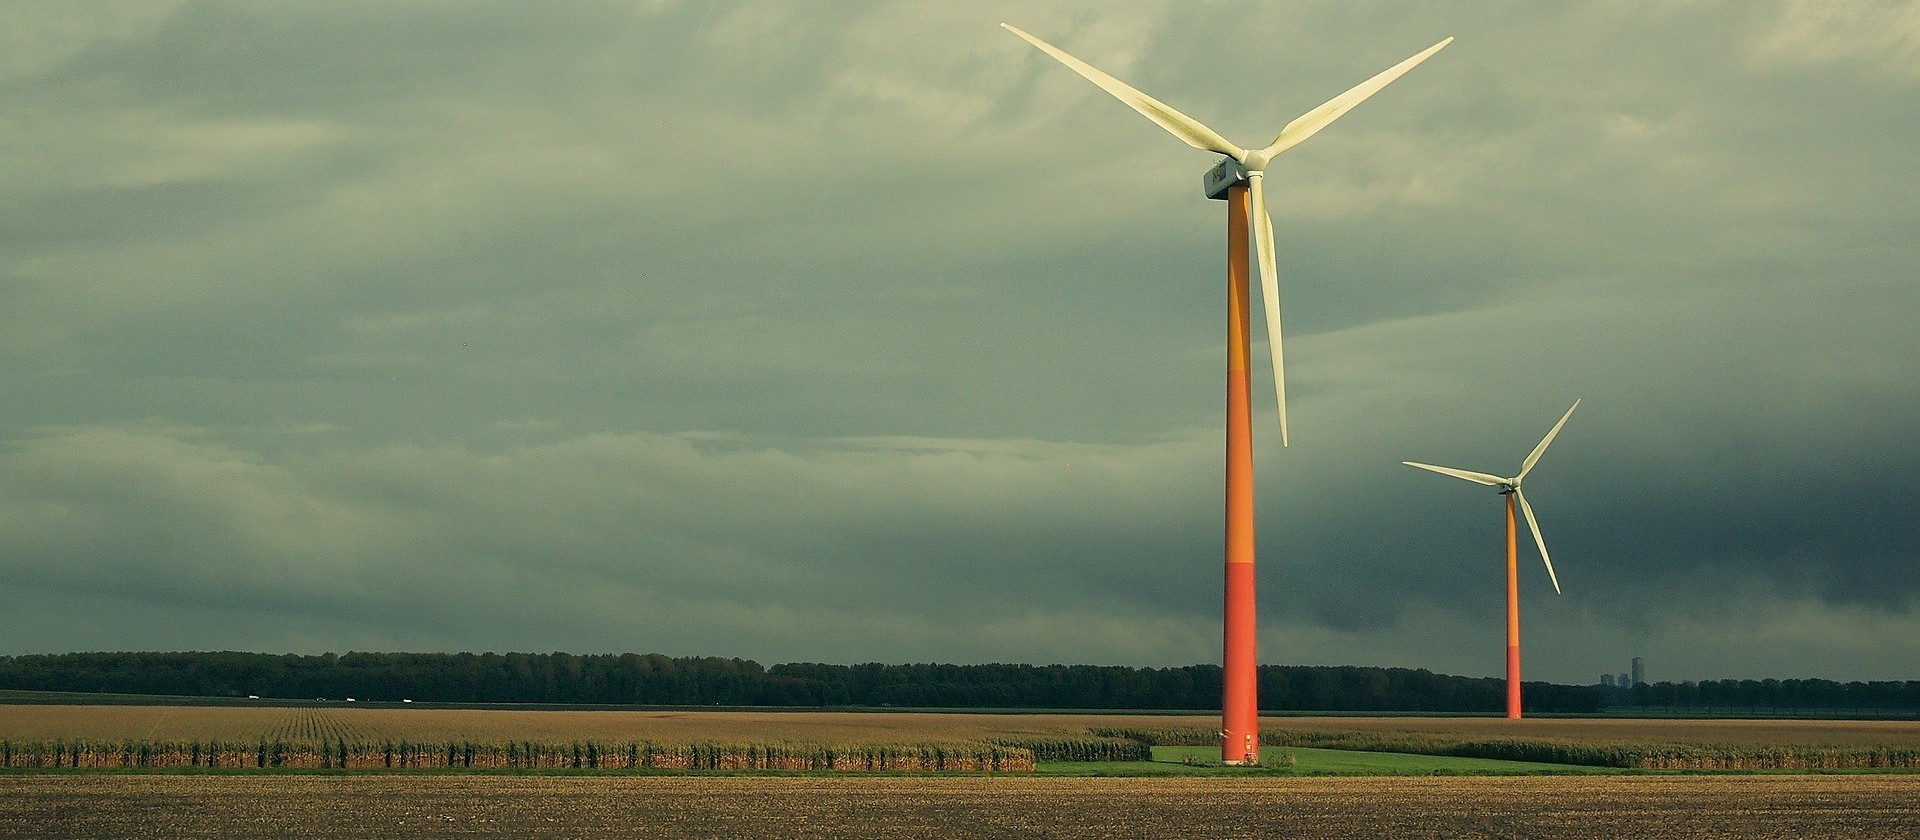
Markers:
<point>1510,487</point>
<point>1238,180</point>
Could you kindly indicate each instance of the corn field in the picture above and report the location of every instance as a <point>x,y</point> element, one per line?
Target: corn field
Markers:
<point>317,726</point>
<point>514,755</point>
<point>1637,756</point>
<point>335,737</point>
<point>1100,748</point>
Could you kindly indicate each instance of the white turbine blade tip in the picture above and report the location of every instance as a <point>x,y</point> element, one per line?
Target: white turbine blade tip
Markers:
<point>1179,125</point>
<point>1534,526</point>
<point>1534,456</point>
<point>1467,475</point>
<point>1310,123</point>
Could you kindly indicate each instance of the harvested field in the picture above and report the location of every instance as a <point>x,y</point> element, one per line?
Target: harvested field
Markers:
<point>178,723</point>
<point>152,723</point>
<point>1905,733</point>
<point>75,806</point>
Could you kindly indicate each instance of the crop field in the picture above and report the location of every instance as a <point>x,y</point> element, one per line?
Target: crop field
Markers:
<point>173,737</point>
<point>1905,733</point>
<point>408,738</point>
<point>381,806</point>
<point>174,723</point>
<point>1370,795</point>
<point>1310,761</point>
<point>32,722</point>
<point>1615,742</point>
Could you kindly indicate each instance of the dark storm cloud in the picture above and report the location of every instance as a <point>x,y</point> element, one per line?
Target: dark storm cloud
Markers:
<point>866,332</point>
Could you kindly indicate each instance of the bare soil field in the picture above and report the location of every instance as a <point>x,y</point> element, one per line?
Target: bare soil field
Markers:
<point>382,806</point>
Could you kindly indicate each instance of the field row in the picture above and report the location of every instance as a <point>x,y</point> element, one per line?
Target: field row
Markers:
<point>317,725</point>
<point>1645,756</point>
<point>159,736</point>
<point>515,755</point>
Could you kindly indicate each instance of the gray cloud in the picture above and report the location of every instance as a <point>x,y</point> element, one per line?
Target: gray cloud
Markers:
<point>868,333</point>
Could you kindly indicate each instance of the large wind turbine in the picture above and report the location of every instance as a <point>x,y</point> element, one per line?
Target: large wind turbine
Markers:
<point>1238,180</point>
<point>1510,488</point>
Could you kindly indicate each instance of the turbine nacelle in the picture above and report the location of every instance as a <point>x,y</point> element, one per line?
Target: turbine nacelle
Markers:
<point>1226,174</point>
<point>1241,166</point>
<point>1511,487</point>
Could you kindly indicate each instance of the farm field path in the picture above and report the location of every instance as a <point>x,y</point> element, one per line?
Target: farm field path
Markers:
<point>381,806</point>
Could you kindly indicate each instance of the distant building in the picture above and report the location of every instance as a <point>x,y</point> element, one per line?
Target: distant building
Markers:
<point>1606,680</point>
<point>1624,683</point>
<point>1639,672</point>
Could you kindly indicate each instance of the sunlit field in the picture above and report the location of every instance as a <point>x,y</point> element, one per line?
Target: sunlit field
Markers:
<point>385,806</point>
<point>1304,792</point>
<point>37,722</point>
<point>419,738</point>
<point>31,722</point>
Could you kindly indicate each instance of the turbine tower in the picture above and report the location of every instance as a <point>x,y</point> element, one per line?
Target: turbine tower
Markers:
<point>1238,180</point>
<point>1510,488</point>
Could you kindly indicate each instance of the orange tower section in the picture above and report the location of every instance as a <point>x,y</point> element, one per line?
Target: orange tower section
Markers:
<point>1240,705</point>
<point>1513,619</point>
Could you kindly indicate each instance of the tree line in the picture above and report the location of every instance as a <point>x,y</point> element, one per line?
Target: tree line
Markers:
<point>1775,696</point>
<point>654,679</point>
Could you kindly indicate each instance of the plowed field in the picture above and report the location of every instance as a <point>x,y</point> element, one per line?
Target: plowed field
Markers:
<point>76,806</point>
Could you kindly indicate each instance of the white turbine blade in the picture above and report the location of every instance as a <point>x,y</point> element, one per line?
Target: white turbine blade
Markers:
<point>1475,477</point>
<point>1306,125</point>
<point>1269,293</point>
<point>1534,524</point>
<point>1534,456</point>
<point>1181,125</point>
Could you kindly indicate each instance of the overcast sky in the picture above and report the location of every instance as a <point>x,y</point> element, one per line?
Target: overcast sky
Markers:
<point>864,331</point>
